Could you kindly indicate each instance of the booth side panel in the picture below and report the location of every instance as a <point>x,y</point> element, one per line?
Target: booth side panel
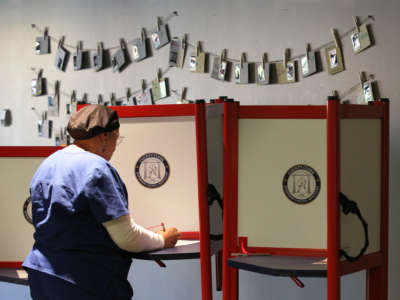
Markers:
<point>16,234</point>
<point>360,181</point>
<point>175,202</point>
<point>214,122</point>
<point>268,148</point>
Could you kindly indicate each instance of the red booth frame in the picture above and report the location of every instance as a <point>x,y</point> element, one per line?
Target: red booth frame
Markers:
<point>376,264</point>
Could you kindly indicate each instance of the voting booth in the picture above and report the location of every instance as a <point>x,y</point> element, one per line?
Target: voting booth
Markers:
<point>171,162</point>
<point>306,193</point>
<point>18,164</point>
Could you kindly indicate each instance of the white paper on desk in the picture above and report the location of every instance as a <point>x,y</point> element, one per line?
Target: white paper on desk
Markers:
<point>22,274</point>
<point>186,242</point>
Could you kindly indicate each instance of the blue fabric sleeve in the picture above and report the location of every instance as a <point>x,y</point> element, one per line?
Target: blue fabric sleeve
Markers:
<point>106,194</point>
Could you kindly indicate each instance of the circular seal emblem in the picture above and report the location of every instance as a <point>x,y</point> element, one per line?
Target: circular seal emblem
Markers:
<point>301,184</point>
<point>152,170</point>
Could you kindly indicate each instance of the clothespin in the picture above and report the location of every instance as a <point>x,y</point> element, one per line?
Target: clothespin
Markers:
<point>61,42</point>
<point>242,59</point>
<point>264,58</point>
<point>45,33</point>
<point>308,49</point>
<point>57,88</point>
<point>362,78</point>
<point>143,34</point>
<point>84,98</point>
<point>78,46</point>
<point>122,44</point>
<point>112,99</point>
<point>100,99</point>
<point>159,23</point>
<point>223,55</point>
<point>335,93</point>
<point>198,48</point>
<point>286,56</point>
<point>184,41</point>
<point>335,39</point>
<point>73,97</point>
<point>159,75</point>
<point>181,99</point>
<point>39,75</point>
<point>99,47</point>
<point>356,23</point>
<point>143,87</point>
<point>128,94</point>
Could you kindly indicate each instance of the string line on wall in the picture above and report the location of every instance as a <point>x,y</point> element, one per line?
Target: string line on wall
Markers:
<point>367,20</point>
<point>134,92</point>
<point>165,20</point>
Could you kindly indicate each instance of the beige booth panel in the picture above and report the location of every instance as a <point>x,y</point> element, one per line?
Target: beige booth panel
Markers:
<point>268,148</point>
<point>360,181</point>
<point>16,234</point>
<point>176,202</point>
<point>215,123</point>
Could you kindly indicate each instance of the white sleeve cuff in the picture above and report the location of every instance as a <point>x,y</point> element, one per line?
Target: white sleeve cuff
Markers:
<point>132,237</point>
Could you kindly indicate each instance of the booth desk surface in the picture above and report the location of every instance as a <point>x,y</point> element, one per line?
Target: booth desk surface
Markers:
<point>189,251</point>
<point>276,265</point>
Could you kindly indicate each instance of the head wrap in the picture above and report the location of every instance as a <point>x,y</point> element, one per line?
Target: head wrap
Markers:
<point>92,120</point>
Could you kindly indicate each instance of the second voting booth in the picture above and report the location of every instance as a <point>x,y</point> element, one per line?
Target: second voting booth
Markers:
<point>306,193</point>
<point>171,162</point>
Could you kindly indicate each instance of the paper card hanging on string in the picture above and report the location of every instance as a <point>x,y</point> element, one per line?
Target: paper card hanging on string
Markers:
<point>286,70</point>
<point>61,56</point>
<point>145,97</point>
<point>44,126</point>
<point>118,59</point>
<point>333,55</point>
<point>42,43</point>
<point>220,67</point>
<point>360,38</point>
<point>160,36</point>
<point>139,48</point>
<point>38,85</point>
<point>308,63</point>
<point>367,90</point>
<point>263,71</point>
<point>160,87</point>
<point>198,60</point>
<point>241,71</point>
<point>177,52</point>
<point>98,62</point>
<point>54,101</point>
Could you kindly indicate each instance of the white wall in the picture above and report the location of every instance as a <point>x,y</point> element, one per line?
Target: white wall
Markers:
<point>253,27</point>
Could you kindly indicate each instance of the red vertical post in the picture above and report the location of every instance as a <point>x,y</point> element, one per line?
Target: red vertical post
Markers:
<point>202,182</point>
<point>333,188</point>
<point>377,278</point>
<point>229,274</point>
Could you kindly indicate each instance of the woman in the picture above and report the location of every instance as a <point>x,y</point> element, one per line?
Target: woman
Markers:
<point>81,217</point>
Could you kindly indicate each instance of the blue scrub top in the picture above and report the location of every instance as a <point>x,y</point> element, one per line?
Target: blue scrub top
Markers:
<point>73,192</point>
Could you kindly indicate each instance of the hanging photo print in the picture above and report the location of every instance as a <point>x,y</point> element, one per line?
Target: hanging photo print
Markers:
<point>333,54</point>
<point>160,36</point>
<point>286,69</point>
<point>360,39</point>
<point>198,60</point>
<point>160,87</point>
<point>308,63</point>
<point>263,70</point>
<point>177,52</point>
<point>139,50</point>
<point>367,91</point>
<point>241,70</point>
<point>98,63</point>
<point>71,107</point>
<point>42,43</point>
<point>37,85</point>
<point>53,102</point>
<point>45,126</point>
<point>144,97</point>
<point>61,56</point>
<point>220,67</point>
<point>118,59</point>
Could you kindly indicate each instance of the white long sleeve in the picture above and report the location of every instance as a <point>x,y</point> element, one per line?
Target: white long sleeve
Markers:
<point>132,237</point>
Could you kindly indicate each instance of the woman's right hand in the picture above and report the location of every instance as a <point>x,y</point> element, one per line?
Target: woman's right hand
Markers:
<point>171,236</point>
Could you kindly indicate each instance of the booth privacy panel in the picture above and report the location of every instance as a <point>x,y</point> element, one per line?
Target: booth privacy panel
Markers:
<point>16,234</point>
<point>360,181</point>
<point>176,201</point>
<point>267,149</point>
